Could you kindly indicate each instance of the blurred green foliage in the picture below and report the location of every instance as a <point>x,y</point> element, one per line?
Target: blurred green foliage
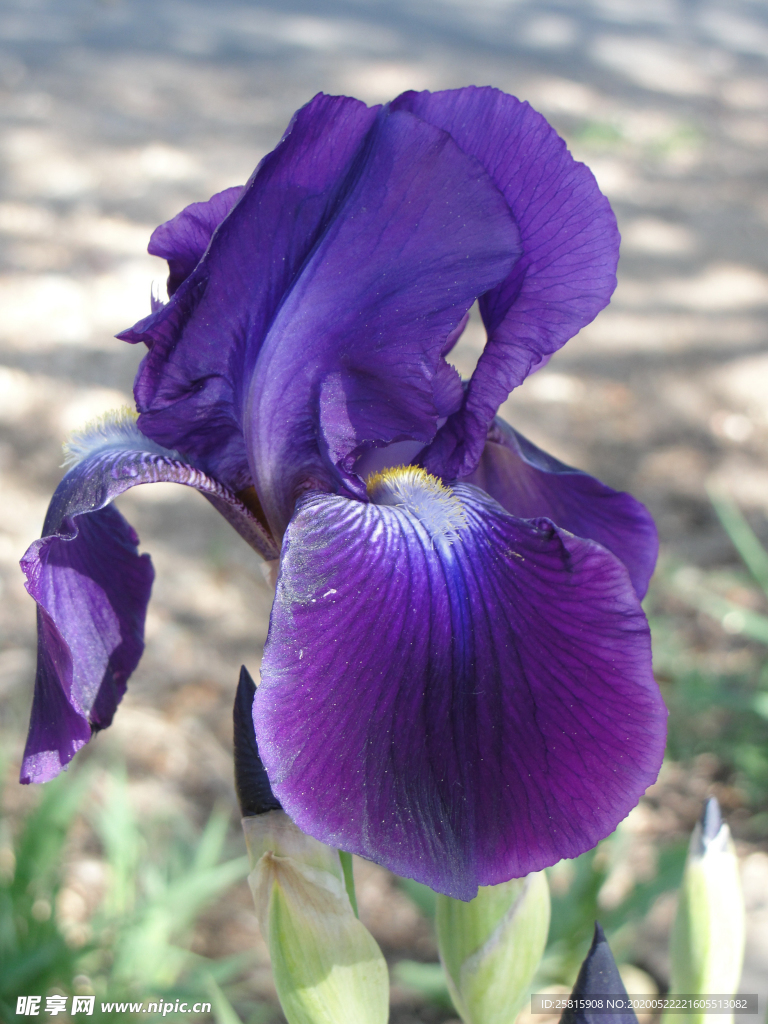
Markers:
<point>652,140</point>
<point>724,713</point>
<point>33,952</point>
<point>579,899</point>
<point>577,889</point>
<point>157,881</point>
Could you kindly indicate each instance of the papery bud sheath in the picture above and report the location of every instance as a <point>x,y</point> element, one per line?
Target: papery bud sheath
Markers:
<point>327,966</point>
<point>492,945</point>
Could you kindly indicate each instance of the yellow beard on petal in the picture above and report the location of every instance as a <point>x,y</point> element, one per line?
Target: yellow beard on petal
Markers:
<point>422,496</point>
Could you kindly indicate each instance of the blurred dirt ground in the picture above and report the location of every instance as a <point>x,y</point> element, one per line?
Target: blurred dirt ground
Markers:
<point>116,114</point>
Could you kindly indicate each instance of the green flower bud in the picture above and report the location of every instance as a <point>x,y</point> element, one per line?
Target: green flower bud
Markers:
<point>707,943</point>
<point>327,966</point>
<point>491,947</point>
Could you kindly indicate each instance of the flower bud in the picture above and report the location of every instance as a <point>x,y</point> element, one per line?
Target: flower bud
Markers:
<point>599,976</point>
<point>254,792</point>
<point>707,943</point>
<point>327,966</point>
<point>492,945</point>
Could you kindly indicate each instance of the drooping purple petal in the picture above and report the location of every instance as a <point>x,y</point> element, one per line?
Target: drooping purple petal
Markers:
<point>461,713</point>
<point>204,342</point>
<point>92,588</point>
<point>530,484</point>
<point>566,274</point>
<point>183,239</point>
<point>421,232</point>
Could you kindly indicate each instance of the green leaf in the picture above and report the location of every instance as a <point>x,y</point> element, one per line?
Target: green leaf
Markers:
<point>223,1011</point>
<point>734,618</point>
<point>428,980</point>
<point>424,897</point>
<point>349,878</point>
<point>742,535</point>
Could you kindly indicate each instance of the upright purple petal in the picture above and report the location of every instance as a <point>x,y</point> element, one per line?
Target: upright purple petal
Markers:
<point>422,231</point>
<point>204,342</point>
<point>183,239</point>
<point>357,247</point>
<point>530,484</point>
<point>463,712</point>
<point>566,274</point>
<point>92,588</point>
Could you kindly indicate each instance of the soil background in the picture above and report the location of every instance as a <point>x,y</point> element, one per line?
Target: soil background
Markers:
<point>115,115</point>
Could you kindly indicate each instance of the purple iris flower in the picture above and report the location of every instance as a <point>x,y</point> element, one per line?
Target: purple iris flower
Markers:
<point>457,677</point>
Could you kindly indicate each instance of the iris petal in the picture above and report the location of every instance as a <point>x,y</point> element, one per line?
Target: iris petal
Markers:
<point>356,250</point>
<point>183,239</point>
<point>421,233</point>
<point>92,588</point>
<point>529,483</point>
<point>204,342</point>
<point>566,274</point>
<point>461,712</point>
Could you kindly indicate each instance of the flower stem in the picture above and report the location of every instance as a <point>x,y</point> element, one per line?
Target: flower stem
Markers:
<point>349,880</point>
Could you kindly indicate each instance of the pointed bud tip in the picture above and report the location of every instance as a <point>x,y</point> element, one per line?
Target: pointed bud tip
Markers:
<point>711,834</point>
<point>254,792</point>
<point>599,976</point>
<point>711,820</point>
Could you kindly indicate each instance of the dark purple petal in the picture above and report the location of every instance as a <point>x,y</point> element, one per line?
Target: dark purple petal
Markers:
<point>529,484</point>
<point>204,342</point>
<point>461,713</point>
<point>357,248</point>
<point>566,274</point>
<point>92,588</point>
<point>116,456</point>
<point>183,239</point>
<point>421,233</point>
